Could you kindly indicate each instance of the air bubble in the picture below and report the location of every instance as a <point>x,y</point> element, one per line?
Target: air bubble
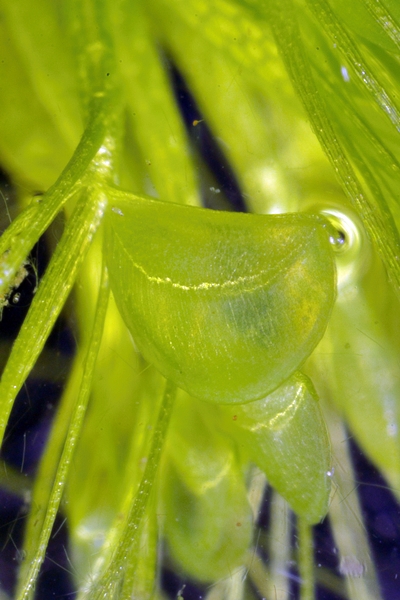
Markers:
<point>117,211</point>
<point>345,73</point>
<point>338,240</point>
<point>351,246</point>
<point>351,566</point>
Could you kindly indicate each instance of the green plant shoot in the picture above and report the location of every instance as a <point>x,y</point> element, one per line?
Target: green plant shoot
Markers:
<point>219,354</point>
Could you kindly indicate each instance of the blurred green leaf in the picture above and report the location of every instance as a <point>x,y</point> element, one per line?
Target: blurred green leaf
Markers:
<point>153,116</point>
<point>32,147</point>
<point>208,517</point>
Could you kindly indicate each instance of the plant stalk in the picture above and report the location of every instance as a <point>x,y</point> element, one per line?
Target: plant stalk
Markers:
<point>39,550</point>
<point>110,580</point>
<point>306,560</point>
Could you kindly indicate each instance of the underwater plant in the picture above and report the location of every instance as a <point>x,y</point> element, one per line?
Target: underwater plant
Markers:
<point>220,353</point>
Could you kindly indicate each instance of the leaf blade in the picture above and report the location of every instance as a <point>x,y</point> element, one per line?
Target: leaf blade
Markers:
<point>226,305</point>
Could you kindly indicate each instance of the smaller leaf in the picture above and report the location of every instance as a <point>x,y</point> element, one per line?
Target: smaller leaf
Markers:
<point>209,533</point>
<point>208,517</point>
<point>225,305</point>
<point>285,435</point>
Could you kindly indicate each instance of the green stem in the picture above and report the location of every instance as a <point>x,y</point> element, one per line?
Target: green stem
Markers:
<point>103,105</point>
<point>49,300</point>
<point>110,579</point>
<point>25,230</point>
<point>38,549</point>
<point>52,453</point>
<point>90,31</point>
<point>345,515</point>
<point>306,559</point>
<point>279,547</point>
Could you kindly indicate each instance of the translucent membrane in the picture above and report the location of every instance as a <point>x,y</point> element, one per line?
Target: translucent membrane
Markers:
<point>225,305</point>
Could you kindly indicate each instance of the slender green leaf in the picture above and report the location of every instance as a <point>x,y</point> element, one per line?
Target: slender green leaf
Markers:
<point>50,298</point>
<point>387,15</point>
<point>357,62</point>
<point>153,113</point>
<point>108,581</point>
<point>378,220</point>
<point>34,558</point>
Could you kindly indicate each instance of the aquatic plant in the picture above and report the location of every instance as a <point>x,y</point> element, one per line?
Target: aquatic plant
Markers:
<point>217,352</point>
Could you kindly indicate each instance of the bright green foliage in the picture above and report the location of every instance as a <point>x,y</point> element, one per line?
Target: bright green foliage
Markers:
<point>368,28</point>
<point>226,306</point>
<point>227,322</point>
<point>285,435</point>
<point>40,116</point>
